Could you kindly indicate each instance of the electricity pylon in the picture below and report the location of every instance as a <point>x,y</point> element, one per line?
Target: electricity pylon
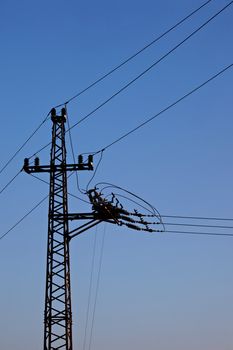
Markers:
<point>58,313</point>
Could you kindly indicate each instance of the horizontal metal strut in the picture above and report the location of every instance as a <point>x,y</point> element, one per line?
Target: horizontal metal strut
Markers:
<point>56,167</point>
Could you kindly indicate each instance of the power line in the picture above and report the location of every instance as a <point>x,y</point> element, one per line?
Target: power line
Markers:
<point>154,64</point>
<point>41,149</point>
<point>140,75</point>
<point>72,150</point>
<point>136,54</point>
<point>197,225</point>
<point>10,182</point>
<point>96,169</point>
<point>90,289</point>
<point>97,286</point>
<point>197,217</point>
<point>165,109</point>
<point>105,76</point>
<point>23,218</point>
<point>161,215</point>
<point>152,209</point>
<point>102,78</point>
<point>171,216</point>
<point>131,82</point>
<point>70,194</point>
<point>23,145</point>
<point>201,233</point>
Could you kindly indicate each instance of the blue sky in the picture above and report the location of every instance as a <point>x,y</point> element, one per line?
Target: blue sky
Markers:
<point>156,291</point>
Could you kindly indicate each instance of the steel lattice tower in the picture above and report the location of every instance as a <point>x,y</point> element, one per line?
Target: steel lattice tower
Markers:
<point>58,314</point>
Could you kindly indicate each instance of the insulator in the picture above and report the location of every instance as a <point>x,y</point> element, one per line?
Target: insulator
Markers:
<point>123,211</point>
<point>126,218</point>
<point>133,227</point>
<point>90,158</point>
<point>149,230</point>
<point>136,213</point>
<point>63,112</point>
<point>90,162</point>
<point>37,161</point>
<point>53,112</point>
<point>80,159</point>
<point>26,162</point>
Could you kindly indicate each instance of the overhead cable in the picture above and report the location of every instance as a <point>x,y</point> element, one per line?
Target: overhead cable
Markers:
<point>152,209</point>
<point>140,75</point>
<point>192,218</point>
<point>70,194</point>
<point>197,225</point>
<point>90,289</point>
<point>197,217</point>
<point>155,63</point>
<point>136,53</point>
<point>97,287</point>
<point>105,76</point>
<point>23,218</point>
<point>165,109</point>
<point>184,217</point>
<point>24,144</point>
<point>202,233</point>
<point>96,169</point>
<point>206,218</point>
<point>10,182</point>
<point>72,151</point>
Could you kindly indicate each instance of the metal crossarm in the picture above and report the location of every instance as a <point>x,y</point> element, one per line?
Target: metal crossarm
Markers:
<point>56,167</point>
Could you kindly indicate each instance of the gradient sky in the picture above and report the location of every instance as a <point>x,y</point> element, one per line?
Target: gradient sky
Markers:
<point>160,291</point>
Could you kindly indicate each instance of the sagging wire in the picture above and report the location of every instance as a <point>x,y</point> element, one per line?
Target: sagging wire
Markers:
<point>146,71</point>
<point>133,201</point>
<point>24,144</point>
<point>110,185</point>
<point>156,62</point>
<point>96,169</point>
<point>69,193</point>
<point>97,286</point>
<point>10,182</point>
<point>136,53</point>
<point>72,150</point>
<point>172,216</point>
<point>23,218</point>
<point>198,225</point>
<point>90,288</point>
<point>102,78</point>
<point>113,209</point>
<point>202,233</point>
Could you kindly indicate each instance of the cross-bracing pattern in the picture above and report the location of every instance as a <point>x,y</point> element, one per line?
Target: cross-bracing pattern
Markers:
<point>58,316</point>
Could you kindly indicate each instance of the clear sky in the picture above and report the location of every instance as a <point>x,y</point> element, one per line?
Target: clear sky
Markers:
<point>157,291</point>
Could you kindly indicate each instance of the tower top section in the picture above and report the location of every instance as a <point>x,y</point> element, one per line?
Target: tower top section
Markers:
<point>58,118</point>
